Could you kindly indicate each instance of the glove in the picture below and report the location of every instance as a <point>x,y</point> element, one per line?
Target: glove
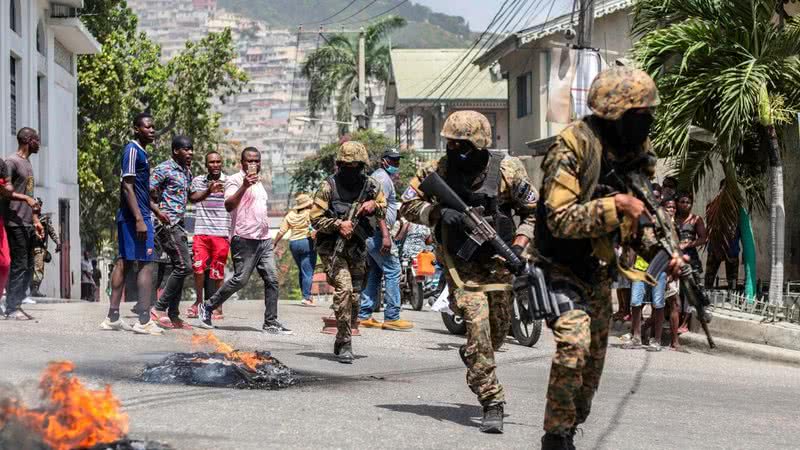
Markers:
<point>451,217</point>
<point>518,249</point>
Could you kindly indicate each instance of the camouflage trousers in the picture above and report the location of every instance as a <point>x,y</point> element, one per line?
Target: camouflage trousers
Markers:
<point>38,265</point>
<point>347,281</point>
<point>581,339</point>
<point>488,319</point>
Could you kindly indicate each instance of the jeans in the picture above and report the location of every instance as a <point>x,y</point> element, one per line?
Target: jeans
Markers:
<point>249,255</point>
<point>387,266</point>
<point>20,243</point>
<point>306,259</point>
<point>639,289</point>
<point>176,245</point>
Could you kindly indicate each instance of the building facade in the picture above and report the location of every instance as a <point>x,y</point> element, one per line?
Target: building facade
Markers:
<point>39,44</point>
<point>424,89</point>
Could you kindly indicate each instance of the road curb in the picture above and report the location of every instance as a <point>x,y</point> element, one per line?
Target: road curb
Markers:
<point>53,300</point>
<point>745,349</point>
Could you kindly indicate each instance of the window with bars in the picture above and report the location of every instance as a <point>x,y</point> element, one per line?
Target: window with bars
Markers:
<point>13,90</point>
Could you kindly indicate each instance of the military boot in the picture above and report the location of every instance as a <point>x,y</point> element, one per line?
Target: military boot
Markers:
<point>35,290</point>
<point>571,437</point>
<point>337,347</point>
<point>492,421</point>
<point>346,353</point>
<point>554,441</point>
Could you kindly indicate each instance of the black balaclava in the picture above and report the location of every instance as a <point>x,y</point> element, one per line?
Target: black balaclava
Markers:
<point>629,132</point>
<point>470,162</point>
<point>350,177</point>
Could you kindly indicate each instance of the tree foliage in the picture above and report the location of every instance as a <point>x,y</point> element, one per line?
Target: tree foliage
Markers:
<point>128,77</point>
<point>312,171</point>
<point>730,67</point>
<point>332,69</point>
<point>716,63</point>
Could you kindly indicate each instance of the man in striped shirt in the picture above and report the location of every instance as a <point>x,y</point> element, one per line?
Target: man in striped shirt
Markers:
<point>211,229</point>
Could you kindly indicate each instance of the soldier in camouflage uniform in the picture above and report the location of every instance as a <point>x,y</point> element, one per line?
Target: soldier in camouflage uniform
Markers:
<point>40,254</point>
<point>333,200</point>
<point>481,284</point>
<point>582,212</point>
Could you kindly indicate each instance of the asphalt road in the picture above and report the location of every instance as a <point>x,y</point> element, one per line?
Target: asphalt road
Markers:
<point>405,390</point>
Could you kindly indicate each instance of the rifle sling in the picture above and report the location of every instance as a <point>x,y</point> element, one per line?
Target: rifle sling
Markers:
<point>469,286</point>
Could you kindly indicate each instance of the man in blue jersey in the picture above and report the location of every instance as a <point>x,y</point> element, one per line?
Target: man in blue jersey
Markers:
<point>135,231</point>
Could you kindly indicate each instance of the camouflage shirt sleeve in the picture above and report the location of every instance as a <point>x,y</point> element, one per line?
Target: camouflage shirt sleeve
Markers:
<point>319,220</point>
<point>516,188</point>
<point>416,207</point>
<point>567,216</point>
<point>52,232</point>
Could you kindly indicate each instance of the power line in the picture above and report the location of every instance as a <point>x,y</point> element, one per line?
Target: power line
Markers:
<point>506,17</point>
<point>354,14</point>
<point>527,14</point>
<point>333,15</point>
<point>450,70</point>
<point>369,19</point>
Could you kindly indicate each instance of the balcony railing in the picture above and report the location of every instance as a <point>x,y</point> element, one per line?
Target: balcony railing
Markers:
<point>58,11</point>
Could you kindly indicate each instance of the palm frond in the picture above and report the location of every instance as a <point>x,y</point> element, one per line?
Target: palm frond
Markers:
<point>376,32</point>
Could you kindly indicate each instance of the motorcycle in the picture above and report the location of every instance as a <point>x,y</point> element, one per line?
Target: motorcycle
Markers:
<point>412,284</point>
<point>527,333</point>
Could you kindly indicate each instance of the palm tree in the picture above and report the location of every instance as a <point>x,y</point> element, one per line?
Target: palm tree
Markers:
<point>333,68</point>
<point>730,67</point>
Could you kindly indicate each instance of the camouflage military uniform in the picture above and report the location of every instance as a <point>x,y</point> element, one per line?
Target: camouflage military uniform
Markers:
<point>481,292</point>
<point>39,252</point>
<point>576,209</point>
<point>347,276</point>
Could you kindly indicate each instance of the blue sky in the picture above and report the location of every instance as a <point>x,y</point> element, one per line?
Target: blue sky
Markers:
<point>479,13</point>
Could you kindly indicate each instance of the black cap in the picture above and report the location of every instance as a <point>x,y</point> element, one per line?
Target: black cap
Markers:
<point>179,142</point>
<point>391,153</point>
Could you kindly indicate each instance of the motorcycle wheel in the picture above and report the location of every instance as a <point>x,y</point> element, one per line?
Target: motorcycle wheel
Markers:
<point>417,295</point>
<point>454,324</point>
<point>526,333</point>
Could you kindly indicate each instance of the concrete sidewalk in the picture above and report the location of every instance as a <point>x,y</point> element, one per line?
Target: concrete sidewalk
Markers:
<point>748,335</point>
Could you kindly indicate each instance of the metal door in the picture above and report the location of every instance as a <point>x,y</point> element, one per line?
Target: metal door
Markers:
<point>63,224</point>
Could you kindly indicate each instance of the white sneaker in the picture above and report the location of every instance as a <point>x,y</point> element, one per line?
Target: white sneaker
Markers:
<point>28,301</point>
<point>118,325</point>
<point>149,328</point>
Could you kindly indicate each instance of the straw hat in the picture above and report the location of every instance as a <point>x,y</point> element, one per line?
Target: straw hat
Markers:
<point>302,201</point>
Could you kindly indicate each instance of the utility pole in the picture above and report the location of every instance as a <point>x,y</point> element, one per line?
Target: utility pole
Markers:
<point>585,23</point>
<point>362,66</point>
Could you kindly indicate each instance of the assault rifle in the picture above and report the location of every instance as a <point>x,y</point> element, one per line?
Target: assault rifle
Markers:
<point>531,294</point>
<point>358,231</point>
<point>640,185</point>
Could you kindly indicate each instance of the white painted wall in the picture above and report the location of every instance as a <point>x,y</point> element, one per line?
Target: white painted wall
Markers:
<point>55,167</point>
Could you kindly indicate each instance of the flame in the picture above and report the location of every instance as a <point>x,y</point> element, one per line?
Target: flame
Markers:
<point>74,416</point>
<point>250,359</point>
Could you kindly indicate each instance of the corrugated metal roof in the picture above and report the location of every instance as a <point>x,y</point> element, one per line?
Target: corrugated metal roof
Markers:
<point>418,71</point>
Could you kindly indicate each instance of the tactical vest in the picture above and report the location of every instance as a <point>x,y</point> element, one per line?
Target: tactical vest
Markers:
<point>339,205</point>
<point>577,254</point>
<point>485,197</point>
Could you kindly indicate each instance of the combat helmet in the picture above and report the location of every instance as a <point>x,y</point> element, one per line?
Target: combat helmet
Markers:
<point>469,126</point>
<point>352,151</point>
<point>619,89</point>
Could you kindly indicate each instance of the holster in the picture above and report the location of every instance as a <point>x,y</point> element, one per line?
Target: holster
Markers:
<point>535,300</point>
